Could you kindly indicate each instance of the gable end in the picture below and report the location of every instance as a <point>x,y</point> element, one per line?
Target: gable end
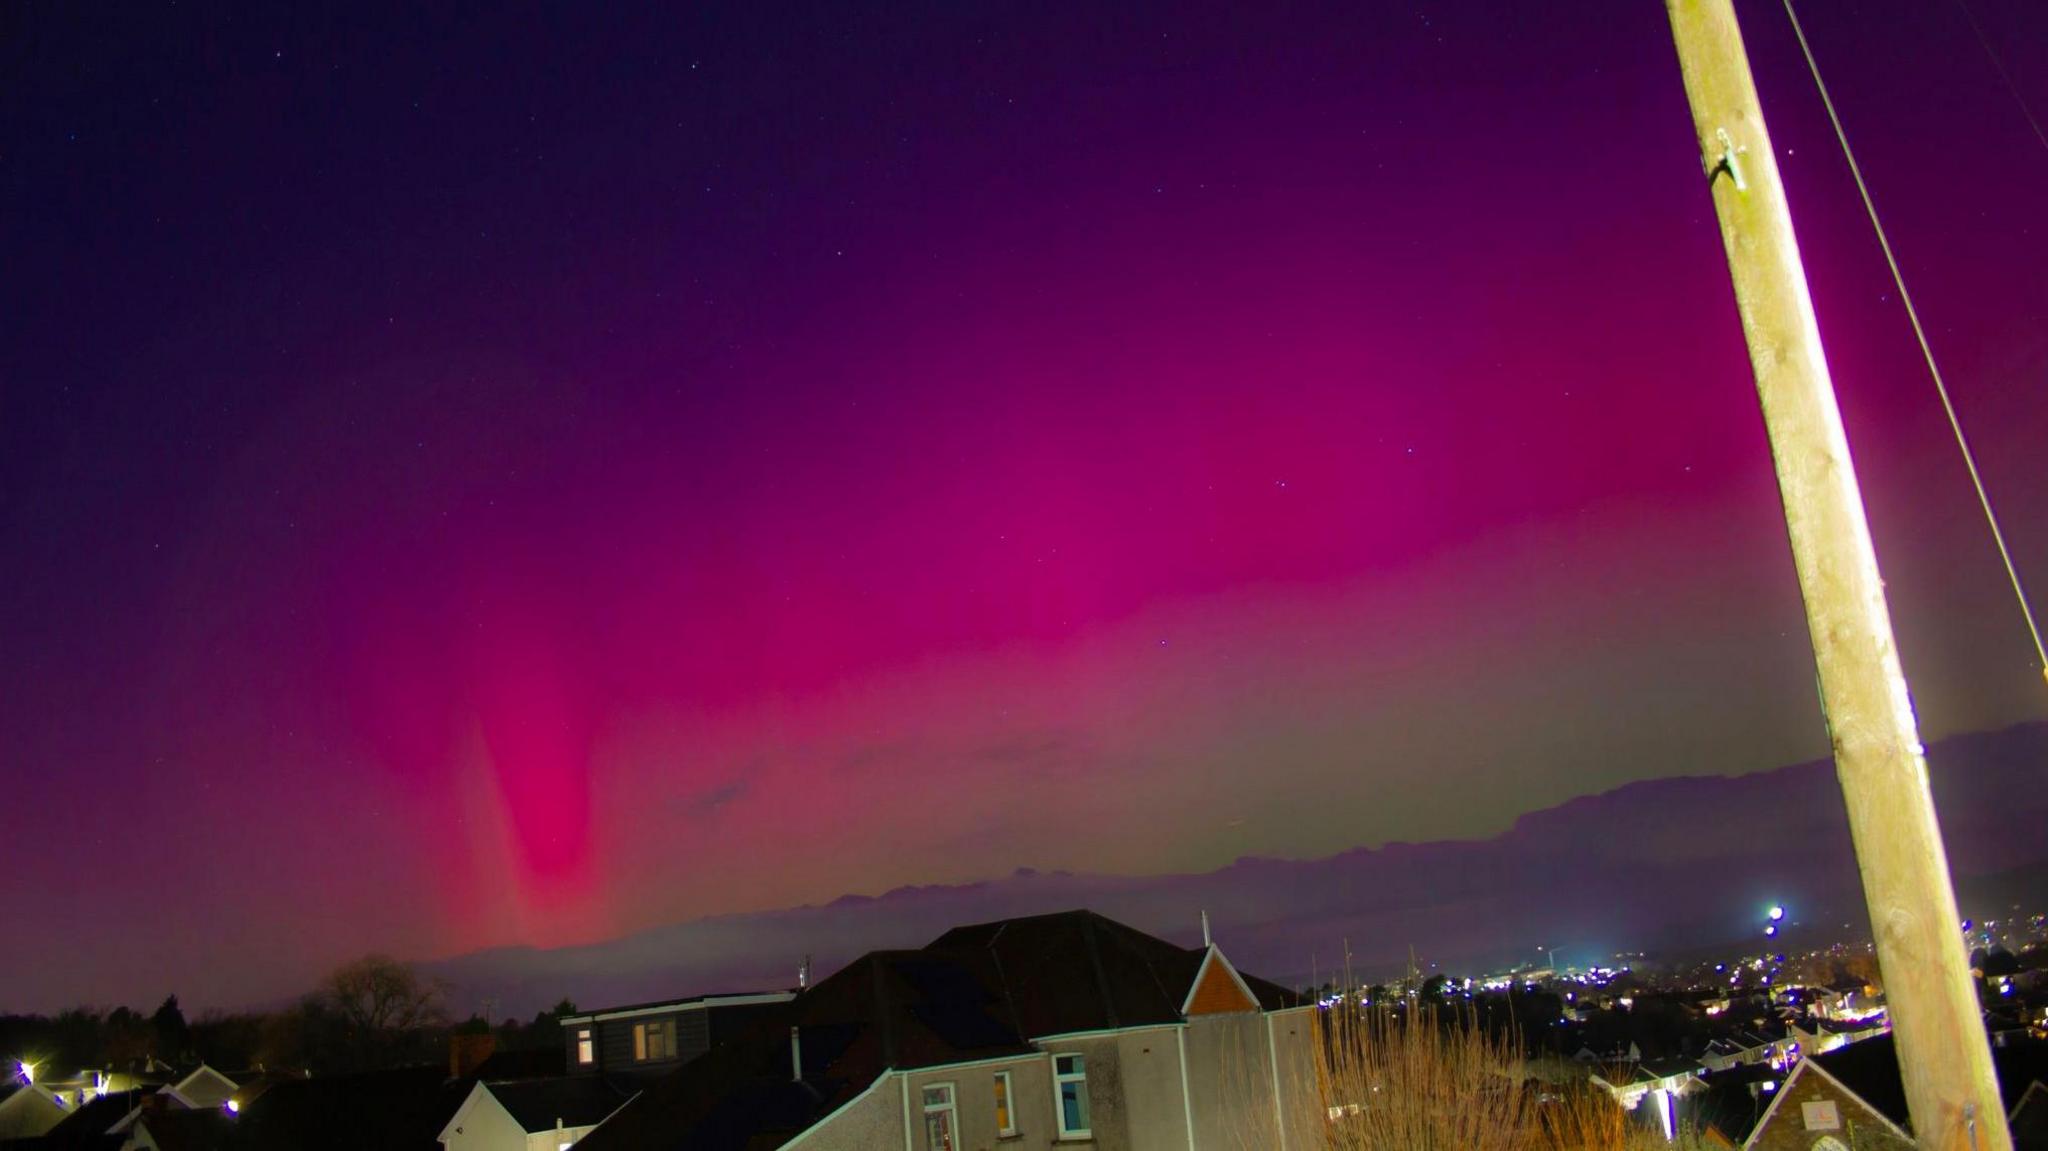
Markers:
<point>1218,989</point>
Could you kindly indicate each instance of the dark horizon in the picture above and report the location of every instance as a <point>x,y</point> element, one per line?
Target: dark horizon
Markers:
<point>1274,917</point>
<point>524,481</point>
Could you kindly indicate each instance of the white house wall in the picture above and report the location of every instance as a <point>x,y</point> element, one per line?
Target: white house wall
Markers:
<point>1108,1099</point>
<point>1134,1088</point>
<point>872,1122</point>
<point>1149,1064</point>
<point>28,1113</point>
<point>554,1138</point>
<point>487,1126</point>
<point>1292,1041</point>
<point>1230,1082</point>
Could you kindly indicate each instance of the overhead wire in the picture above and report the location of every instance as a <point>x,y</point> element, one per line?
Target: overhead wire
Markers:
<point>1948,406</point>
<point>1998,64</point>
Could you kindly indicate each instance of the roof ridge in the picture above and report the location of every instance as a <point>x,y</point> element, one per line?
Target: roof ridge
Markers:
<point>883,1017</point>
<point>1101,977</point>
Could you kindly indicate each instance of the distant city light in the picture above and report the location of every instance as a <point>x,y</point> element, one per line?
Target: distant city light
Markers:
<point>1771,930</point>
<point>1777,913</point>
<point>233,1107</point>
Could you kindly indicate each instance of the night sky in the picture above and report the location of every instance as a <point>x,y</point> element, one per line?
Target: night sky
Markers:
<point>478,477</point>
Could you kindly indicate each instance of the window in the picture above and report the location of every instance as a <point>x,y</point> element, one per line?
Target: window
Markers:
<point>1006,1119</point>
<point>653,1041</point>
<point>1070,1095</point>
<point>586,1051</point>
<point>941,1119</point>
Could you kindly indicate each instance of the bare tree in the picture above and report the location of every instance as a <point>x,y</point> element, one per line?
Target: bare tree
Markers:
<point>378,995</point>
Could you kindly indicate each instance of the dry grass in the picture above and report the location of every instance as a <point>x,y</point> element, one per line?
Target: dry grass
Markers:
<point>1421,1081</point>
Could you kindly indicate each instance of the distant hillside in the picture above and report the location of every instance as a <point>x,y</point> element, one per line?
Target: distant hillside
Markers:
<point>1663,863</point>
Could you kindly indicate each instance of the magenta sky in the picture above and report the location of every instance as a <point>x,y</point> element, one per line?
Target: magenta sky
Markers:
<point>523,480</point>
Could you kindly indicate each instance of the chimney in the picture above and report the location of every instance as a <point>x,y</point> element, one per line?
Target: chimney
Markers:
<point>796,1056</point>
<point>466,1053</point>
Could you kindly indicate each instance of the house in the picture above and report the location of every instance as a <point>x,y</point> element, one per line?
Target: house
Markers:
<point>1862,1081</point>
<point>1815,1111</point>
<point>28,1109</point>
<point>648,1040</point>
<point>69,1091</point>
<point>1773,1043</point>
<point>1659,1081</point>
<point>202,1090</point>
<point>165,1129</point>
<point>1827,1035</point>
<point>531,1115</point>
<point>1029,1032</point>
<point>396,1110</point>
<point>403,1109</point>
<point>478,1057</point>
<point>85,1128</point>
<point>87,1125</point>
<point>1726,1105</point>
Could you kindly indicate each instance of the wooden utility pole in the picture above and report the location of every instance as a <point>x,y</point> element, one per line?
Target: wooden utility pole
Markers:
<point>1943,1053</point>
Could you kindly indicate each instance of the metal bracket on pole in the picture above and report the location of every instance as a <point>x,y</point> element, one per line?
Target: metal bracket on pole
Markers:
<point>1727,163</point>
<point>1944,1057</point>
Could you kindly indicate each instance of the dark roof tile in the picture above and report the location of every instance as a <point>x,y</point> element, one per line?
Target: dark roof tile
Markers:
<point>401,1110</point>
<point>976,992</point>
<point>1871,1070</point>
<point>575,1100</point>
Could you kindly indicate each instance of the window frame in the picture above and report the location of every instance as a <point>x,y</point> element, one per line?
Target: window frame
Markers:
<point>950,1109</point>
<point>1059,1110</point>
<point>645,1035</point>
<point>1005,1088</point>
<point>586,1046</point>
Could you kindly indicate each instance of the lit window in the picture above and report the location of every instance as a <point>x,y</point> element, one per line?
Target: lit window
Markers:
<point>1006,1119</point>
<point>941,1122</point>
<point>1070,1088</point>
<point>653,1041</point>
<point>586,1051</point>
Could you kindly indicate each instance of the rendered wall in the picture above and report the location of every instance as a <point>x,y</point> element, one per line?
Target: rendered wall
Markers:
<point>974,1095</point>
<point>28,1113</point>
<point>1108,1105</point>
<point>1231,1082</point>
<point>1154,1116</point>
<point>488,1127</point>
<point>873,1123</point>
<point>1134,1089</point>
<point>552,1139</point>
